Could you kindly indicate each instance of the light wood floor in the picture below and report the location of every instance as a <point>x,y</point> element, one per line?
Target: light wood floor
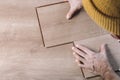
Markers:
<point>24,56</point>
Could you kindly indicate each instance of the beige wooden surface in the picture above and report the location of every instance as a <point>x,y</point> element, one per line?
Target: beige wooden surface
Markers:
<point>57,30</point>
<point>95,78</point>
<point>113,50</point>
<point>18,20</point>
<point>25,3</point>
<point>29,61</point>
<point>22,55</point>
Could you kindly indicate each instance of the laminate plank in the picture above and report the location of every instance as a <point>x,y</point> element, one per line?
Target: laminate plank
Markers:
<point>22,56</point>
<point>32,62</point>
<point>57,30</point>
<point>113,50</point>
<point>26,3</point>
<point>19,20</point>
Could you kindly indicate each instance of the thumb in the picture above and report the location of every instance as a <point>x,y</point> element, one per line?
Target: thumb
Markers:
<point>103,48</point>
<point>70,13</point>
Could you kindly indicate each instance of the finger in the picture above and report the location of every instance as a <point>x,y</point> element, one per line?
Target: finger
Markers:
<point>82,54</point>
<point>85,49</point>
<point>80,64</point>
<point>70,13</point>
<point>78,57</point>
<point>103,48</point>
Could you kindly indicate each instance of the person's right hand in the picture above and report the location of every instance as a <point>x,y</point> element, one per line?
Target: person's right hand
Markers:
<point>94,61</point>
<point>75,5</point>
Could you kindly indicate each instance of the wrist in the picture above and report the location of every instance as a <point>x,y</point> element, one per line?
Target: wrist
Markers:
<point>108,75</point>
<point>106,71</point>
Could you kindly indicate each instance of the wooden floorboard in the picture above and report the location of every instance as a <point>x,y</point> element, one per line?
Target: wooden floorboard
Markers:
<point>22,55</point>
<point>113,50</point>
<point>57,29</point>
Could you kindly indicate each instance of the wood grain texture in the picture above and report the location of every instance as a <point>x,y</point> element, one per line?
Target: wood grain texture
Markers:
<point>19,22</point>
<point>26,3</point>
<point>57,30</point>
<point>22,56</point>
<point>32,62</point>
<point>113,50</point>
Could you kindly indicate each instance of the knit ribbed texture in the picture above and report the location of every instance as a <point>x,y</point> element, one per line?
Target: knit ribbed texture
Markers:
<point>105,13</point>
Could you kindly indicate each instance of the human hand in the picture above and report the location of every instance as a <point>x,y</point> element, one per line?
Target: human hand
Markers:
<point>94,61</point>
<point>75,5</point>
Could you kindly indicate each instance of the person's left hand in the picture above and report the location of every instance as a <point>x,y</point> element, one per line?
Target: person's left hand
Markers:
<point>94,61</point>
<point>75,5</point>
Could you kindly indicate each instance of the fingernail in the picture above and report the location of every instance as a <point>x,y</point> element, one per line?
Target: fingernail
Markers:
<point>73,53</point>
<point>67,17</point>
<point>73,48</point>
<point>76,60</point>
<point>77,45</point>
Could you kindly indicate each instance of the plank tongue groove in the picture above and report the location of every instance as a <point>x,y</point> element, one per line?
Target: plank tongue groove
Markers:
<point>57,30</point>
